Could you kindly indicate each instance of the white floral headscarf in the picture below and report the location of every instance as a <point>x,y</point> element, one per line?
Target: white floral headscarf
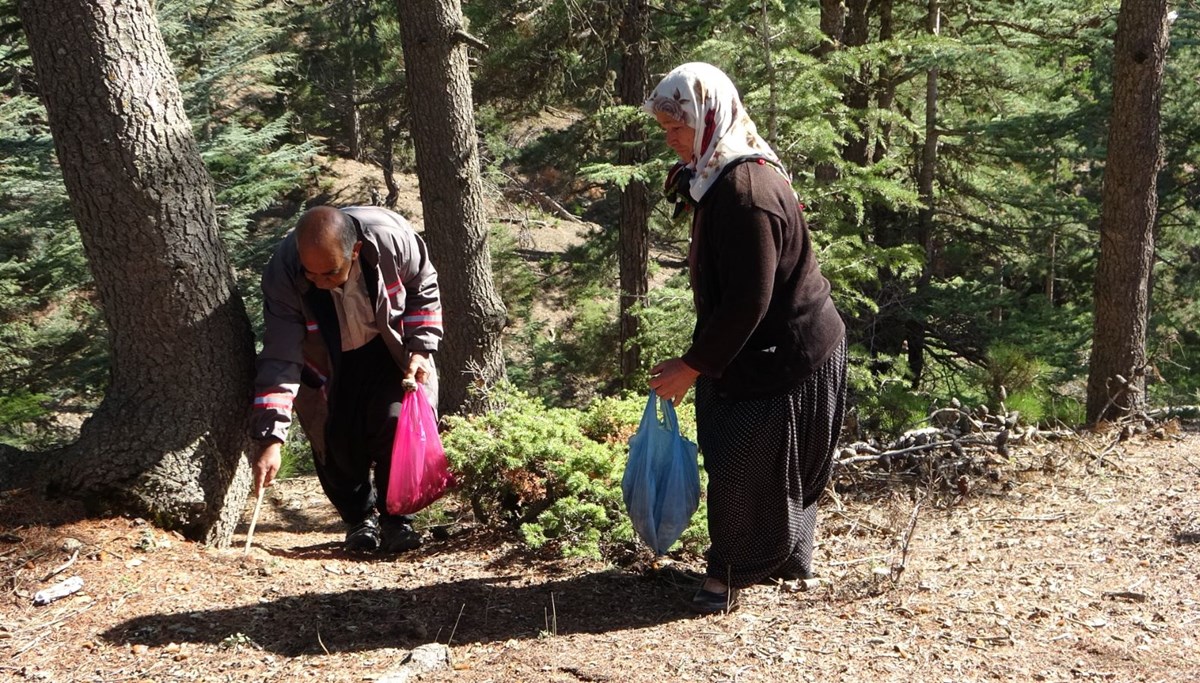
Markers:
<point>701,96</point>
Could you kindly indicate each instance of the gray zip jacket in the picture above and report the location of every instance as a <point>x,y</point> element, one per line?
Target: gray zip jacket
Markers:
<point>295,367</point>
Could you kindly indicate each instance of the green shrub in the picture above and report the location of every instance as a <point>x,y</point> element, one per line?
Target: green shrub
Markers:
<point>1023,383</point>
<point>515,280</point>
<point>665,323</point>
<point>574,360</point>
<point>1011,370</point>
<point>552,473</point>
<point>1064,411</point>
<point>18,412</point>
<point>1030,403</point>
<point>296,457</point>
<point>882,396</point>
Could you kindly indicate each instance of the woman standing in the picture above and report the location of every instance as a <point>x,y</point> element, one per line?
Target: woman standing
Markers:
<point>768,355</point>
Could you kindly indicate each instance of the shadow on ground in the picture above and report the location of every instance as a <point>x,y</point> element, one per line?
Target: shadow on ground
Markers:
<point>493,609</point>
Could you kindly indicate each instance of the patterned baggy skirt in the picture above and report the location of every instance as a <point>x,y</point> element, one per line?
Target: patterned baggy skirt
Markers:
<point>768,461</point>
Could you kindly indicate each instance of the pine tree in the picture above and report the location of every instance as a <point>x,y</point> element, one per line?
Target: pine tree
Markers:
<point>1117,376</point>
<point>168,440</point>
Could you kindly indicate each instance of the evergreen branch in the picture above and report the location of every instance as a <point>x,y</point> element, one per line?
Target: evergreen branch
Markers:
<point>997,24</point>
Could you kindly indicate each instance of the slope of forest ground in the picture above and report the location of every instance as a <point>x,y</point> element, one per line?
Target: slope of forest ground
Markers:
<point>1071,561</point>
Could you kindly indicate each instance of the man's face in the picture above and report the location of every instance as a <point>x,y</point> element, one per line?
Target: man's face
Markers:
<point>327,266</point>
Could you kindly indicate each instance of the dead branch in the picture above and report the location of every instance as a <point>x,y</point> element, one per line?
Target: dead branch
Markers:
<point>889,454</point>
<point>898,569</point>
<point>45,628</point>
<point>552,206</point>
<point>471,40</point>
<point>62,567</point>
<point>1160,414</point>
<point>1039,518</point>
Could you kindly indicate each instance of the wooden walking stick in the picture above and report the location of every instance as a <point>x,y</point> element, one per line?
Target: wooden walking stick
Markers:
<point>254,519</point>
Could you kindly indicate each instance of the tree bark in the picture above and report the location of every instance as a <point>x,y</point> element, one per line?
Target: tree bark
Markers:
<point>833,26</point>
<point>929,150</point>
<point>388,164</point>
<point>634,219</point>
<point>833,23</point>
<point>857,92</point>
<point>167,441</point>
<point>772,83</point>
<point>1127,216</point>
<point>915,326</point>
<point>445,141</point>
<point>885,95</point>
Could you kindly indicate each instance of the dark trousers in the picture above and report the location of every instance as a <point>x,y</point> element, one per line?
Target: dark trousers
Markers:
<point>364,404</point>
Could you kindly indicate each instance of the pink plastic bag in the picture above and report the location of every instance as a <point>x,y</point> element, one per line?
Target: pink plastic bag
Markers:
<point>419,474</point>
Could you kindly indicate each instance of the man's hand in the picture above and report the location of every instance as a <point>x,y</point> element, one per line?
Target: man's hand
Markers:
<point>419,366</point>
<point>671,379</point>
<point>267,465</point>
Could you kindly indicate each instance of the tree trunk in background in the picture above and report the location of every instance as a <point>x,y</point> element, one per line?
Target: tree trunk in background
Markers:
<point>772,84</point>
<point>1129,206</point>
<point>388,164</point>
<point>929,151</point>
<point>833,26</point>
<point>915,337</point>
<point>167,442</point>
<point>885,95</point>
<point>348,24</point>
<point>634,219</point>
<point>857,92</point>
<point>445,141</point>
<point>833,23</point>
<point>355,119</point>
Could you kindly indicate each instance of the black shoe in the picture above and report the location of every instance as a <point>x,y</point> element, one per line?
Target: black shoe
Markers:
<point>711,602</point>
<point>397,535</point>
<point>364,536</point>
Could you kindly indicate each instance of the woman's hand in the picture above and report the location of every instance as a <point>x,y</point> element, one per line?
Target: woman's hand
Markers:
<point>671,379</point>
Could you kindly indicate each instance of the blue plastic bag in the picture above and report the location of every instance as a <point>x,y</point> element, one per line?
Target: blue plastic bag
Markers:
<point>661,485</point>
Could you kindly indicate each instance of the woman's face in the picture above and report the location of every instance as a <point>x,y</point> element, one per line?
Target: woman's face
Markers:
<point>680,136</point>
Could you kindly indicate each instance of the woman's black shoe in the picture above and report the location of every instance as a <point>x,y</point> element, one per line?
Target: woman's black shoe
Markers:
<point>711,602</point>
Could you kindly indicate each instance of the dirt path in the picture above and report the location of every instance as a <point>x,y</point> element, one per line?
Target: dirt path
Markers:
<point>1069,567</point>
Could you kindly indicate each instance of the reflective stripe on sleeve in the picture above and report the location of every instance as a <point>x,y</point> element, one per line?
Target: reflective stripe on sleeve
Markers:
<point>280,402</point>
<point>418,319</point>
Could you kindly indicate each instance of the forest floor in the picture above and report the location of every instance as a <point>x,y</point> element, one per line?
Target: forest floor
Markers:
<point>1076,560</point>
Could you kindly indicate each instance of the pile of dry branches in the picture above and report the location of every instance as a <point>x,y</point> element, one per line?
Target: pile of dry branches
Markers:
<point>959,440</point>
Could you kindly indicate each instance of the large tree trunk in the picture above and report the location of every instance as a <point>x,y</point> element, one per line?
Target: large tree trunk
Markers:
<point>444,138</point>
<point>1116,378</point>
<point>634,220</point>
<point>167,441</point>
